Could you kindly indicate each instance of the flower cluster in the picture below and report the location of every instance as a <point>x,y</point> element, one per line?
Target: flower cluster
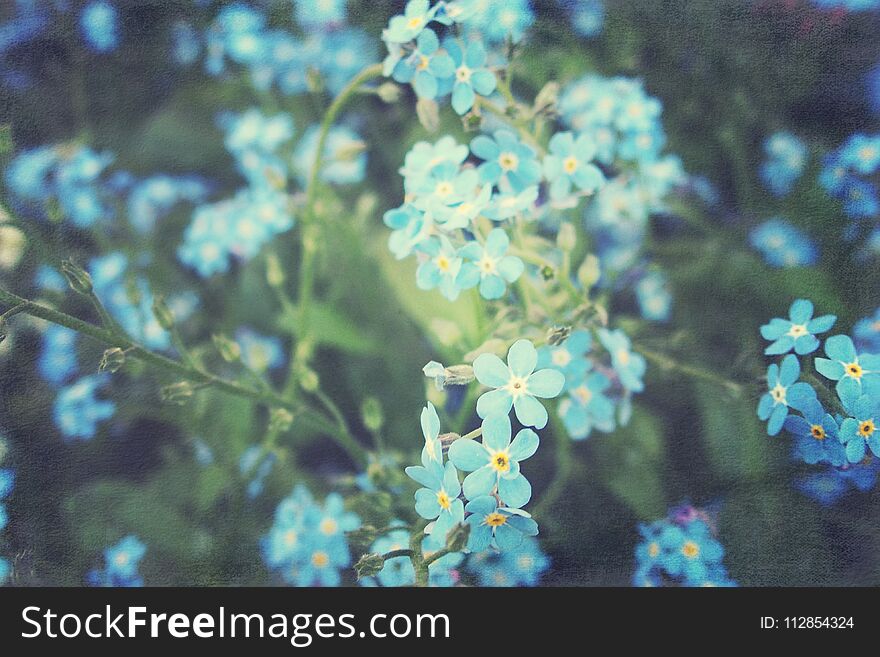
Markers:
<point>307,545</point>
<point>65,180</point>
<point>7,481</point>
<point>680,550</point>
<point>495,487</point>
<point>328,51</point>
<point>786,159</point>
<point>783,245</point>
<point>847,175</point>
<point>99,22</point>
<point>121,563</point>
<point>598,385</point>
<point>521,566</point>
<point>841,429</point>
<point>829,485</point>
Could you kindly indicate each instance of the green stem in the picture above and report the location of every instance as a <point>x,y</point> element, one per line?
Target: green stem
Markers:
<point>403,552</point>
<point>667,363</point>
<point>564,462</point>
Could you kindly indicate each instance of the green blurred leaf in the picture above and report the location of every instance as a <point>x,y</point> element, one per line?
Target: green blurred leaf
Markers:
<point>331,327</point>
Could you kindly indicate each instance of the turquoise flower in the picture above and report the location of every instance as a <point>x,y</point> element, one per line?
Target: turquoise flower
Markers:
<point>569,357</point>
<point>495,461</point>
<point>494,269</point>
<point>629,366</point>
<point>425,66</point>
<point>587,407</point>
<point>862,431</point>
<point>783,390</point>
<point>509,204</point>
<point>407,27</point>
<point>443,269</point>
<point>490,524</point>
<point>516,384</point>
<point>471,75</point>
<point>470,204</point>
<point>569,164</point>
<point>798,332</point>
<point>853,372</point>
<point>508,161</point>
<point>816,435</point>
<point>690,552</point>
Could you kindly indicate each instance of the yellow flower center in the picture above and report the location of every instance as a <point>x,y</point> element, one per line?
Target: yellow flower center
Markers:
<point>817,431</point>
<point>121,559</point>
<point>443,188</point>
<point>443,500</point>
<point>487,265</point>
<point>561,357</point>
<point>623,356</point>
<point>797,330</point>
<point>868,153</point>
<point>290,537</point>
<point>463,74</point>
<point>653,550</point>
<point>496,519</point>
<point>854,370</point>
<point>415,22</point>
<point>583,394</point>
<point>423,63</point>
<point>329,526</point>
<point>778,393</point>
<point>320,559</point>
<point>690,549</point>
<point>570,164</point>
<point>443,263</point>
<point>866,429</point>
<point>508,161</point>
<point>500,461</point>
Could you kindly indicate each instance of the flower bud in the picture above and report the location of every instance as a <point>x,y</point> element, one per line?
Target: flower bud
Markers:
<point>459,375</point>
<point>566,238</point>
<point>77,277</point>
<point>545,101</point>
<point>163,313</point>
<point>280,420</point>
<point>112,360</point>
<point>388,92</point>
<point>274,273</point>
<point>308,378</point>
<point>371,414</point>
<point>588,273</point>
<point>369,565</point>
<point>428,114</point>
<point>229,349</point>
<point>556,335</point>
<point>177,393</point>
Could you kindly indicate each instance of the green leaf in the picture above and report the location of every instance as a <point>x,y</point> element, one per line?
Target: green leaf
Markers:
<point>331,327</point>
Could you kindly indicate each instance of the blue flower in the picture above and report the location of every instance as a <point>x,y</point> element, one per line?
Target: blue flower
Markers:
<point>798,332</point>
<point>587,407</point>
<point>425,66</point>
<point>783,245</point>
<point>99,22</point>
<point>786,160</point>
<point>494,269</point>
<point>588,17</point>
<point>5,569</point>
<point>510,20</point>
<point>443,269</point>
<point>521,566</point>
<point>471,75</point>
<point>862,431</point>
<point>508,161</point>
<point>690,552</point>
<point>344,161</point>
<point>320,14</point>
<point>816,435</point>
<point>438,500</point>
<point>866,333</point>
<point>783,391</point>
<point>77,410</point>
<point>516,384</point>
<point>7,482</point>
<point>495,462</point>
<point>58,358</point>
<point>569,357</point>
<point>825,487</point>
<point>629,366</point>
<point>655,300</point>
<point>121,563</point>
<point>509,204</point>
<point>406,27</point>
<point>569,164</point>
<point>501,527</point>
<point>258,352</point>
<point>853,372</point>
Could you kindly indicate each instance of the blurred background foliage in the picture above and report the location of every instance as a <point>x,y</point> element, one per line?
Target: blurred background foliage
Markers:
<point>729,73</point>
